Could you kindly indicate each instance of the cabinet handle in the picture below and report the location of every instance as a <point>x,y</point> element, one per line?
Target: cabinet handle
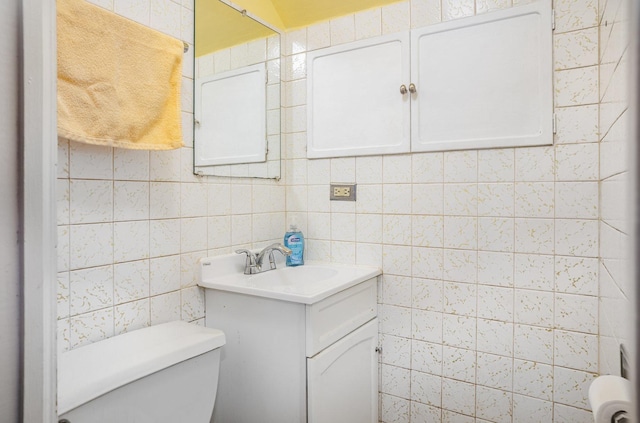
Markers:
<point>378,350</point>
<point>403,89</point>
<point>412,88</point>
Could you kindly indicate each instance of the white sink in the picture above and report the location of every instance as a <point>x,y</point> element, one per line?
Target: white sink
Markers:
<point>305,284</point>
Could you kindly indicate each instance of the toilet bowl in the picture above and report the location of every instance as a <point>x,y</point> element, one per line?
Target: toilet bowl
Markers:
<point>163,373</point>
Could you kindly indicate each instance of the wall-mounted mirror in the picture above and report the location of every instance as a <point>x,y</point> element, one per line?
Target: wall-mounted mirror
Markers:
<point>236,93</point>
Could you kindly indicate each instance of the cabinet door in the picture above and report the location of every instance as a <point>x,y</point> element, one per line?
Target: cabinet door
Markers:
<point>354,105</point>
<point>342,380</point>
<point>484,81</point>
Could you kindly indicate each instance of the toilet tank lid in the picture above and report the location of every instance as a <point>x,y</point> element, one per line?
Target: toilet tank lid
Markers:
<point>93,370</point>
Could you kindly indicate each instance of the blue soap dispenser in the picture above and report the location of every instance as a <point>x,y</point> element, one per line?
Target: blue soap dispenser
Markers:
<point>294,240</point>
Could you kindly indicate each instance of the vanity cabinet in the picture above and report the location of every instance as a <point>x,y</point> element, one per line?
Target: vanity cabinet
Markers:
<point>291,362</point>
<point>479,82</point>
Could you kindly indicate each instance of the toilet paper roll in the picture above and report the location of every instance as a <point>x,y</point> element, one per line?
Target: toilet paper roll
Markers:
<point>609,395</point>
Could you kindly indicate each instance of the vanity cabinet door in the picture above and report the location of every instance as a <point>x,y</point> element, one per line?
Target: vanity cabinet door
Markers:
<point>342,380</point>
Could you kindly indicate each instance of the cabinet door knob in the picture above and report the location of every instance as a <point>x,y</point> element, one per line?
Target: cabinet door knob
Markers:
<point>403,89</point>
<point>378,350</point>
<point>412,88</point>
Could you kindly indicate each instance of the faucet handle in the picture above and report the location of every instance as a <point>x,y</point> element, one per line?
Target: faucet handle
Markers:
<point>250,266</point>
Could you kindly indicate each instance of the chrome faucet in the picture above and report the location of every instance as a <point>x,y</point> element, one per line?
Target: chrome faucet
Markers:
<point>253,263</point>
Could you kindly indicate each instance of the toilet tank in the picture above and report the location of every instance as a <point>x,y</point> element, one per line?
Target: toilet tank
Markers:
<point>163,373</point>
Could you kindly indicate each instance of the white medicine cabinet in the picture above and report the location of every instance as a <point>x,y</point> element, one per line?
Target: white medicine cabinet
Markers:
<point>480,82</point>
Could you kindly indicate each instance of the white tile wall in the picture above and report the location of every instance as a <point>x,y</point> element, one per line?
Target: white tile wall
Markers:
<point>615,286</point>
<point>488,302</point>
<point>132,224</point>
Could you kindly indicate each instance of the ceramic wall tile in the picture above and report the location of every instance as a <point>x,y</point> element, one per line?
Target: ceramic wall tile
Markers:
<point>459,364</point>
<point>572,14</point>
<point>131,316</point>
<point>90,289</point>
<point>394,409</point>
<point>460,232</point>
<point>459,331</point>
<point>62,168</point>
<point>533,343</point>
<point>131,200</point>
<point>165,308</point>
<point>425,262</point>
<point>460,299</point>
<point>130,165</point>
<point>533,379</point>
<point>576,350</point>
<point>396,198</point>
<point>130,281</point>
<point>318,36</point>
<point>494,405</point>
<point>427,294</point>
<point>496,165</point>
<point>165,165</point>
<point>426,357</point>
<point>131,241</point>
<point>571,387</point>
<point>428,199</point>
<point>495,268</point>
<point>90,245</point>
<point>396,290</point>
<point>192,303</point>
<point>396,381</point>
<point>461,166</point>
<point>575,87</point>
<point>457,9</point>
<point>425,325</point>
<point>63,202</point>
<point>534,199</point>
<point>342,30</point>
<point>396,17</point>
<point>576,125</point>
<point>396,229</point>
<point>576,275</point>
<point>565,414</point>
<point>496,199</point>
<point>164,200</point>
<point>576,312</point>
<point>577,162</point>
<point>452,417</point>
<point>495,303</point>
<point>164,237</point>
<point>424,413</point>
<point>534,164</point>
<point>396,351</point>
<point>395,320</point>
<point>461,199</point>
<point>91,327</point>
<point>534,271</point>
<point>425,12</point>
<point>495,337</point>
<point>164,274</point>
<point>576,237</point>
<point>534,307</point>
<point>458,396</point>
<point>62,295</point>
<point>495,371</point>
<point>427,231</point>
<point>460,266</point>
<point>91,201</point>
<point>531,410</point>
<point>534,236</point>
<point>577,200</point>
<point>576,49</point>
<point>496,234</point>
<point>90,161</point>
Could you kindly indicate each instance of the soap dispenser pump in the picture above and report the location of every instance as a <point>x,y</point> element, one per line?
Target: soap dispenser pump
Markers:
<point>294,240</point>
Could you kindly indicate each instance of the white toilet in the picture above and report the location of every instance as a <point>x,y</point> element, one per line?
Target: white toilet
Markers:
<point>163,373</point>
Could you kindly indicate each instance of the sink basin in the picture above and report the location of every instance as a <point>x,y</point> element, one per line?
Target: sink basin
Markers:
<point>305,284</point>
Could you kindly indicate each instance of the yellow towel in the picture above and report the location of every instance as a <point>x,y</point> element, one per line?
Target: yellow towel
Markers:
<point>118,81</point>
